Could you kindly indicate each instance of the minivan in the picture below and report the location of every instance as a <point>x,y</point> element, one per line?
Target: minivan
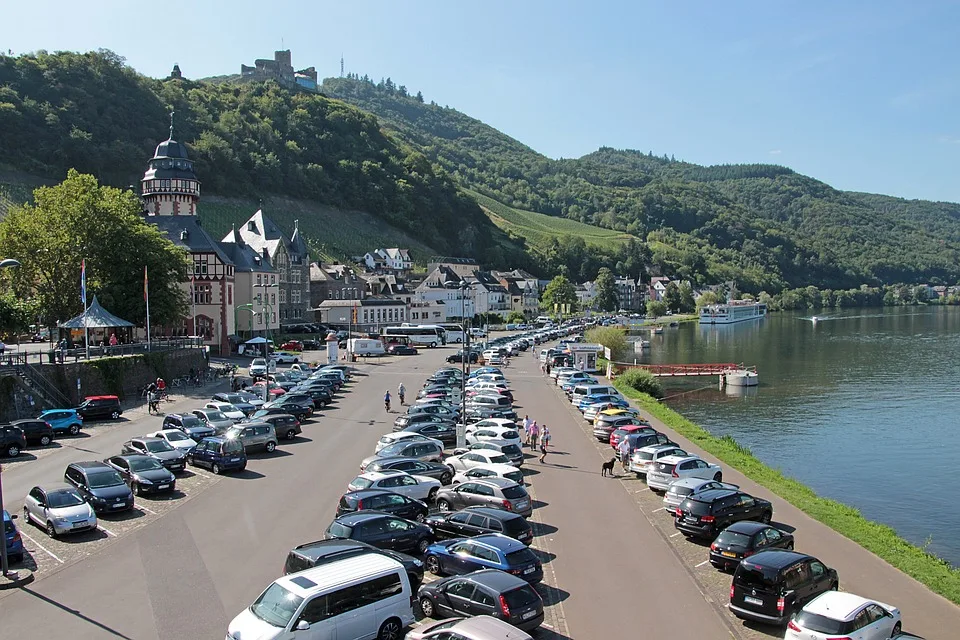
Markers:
<point>254,436</point>
<point>367,596</point>
<point>583,390</point>
<point>218,454</point>
<point>771,585</point>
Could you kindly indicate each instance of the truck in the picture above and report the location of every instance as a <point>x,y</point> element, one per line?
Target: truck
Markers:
<point>365,347</point>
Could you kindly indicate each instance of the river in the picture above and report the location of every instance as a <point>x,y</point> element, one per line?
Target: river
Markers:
<point>862,406</point>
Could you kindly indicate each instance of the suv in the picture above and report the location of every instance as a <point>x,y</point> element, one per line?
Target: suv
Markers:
<point>313,554</point>
<point>158,449</point>
<point>707,513</point>
<point>12,441</point>
<point>254,436</point>
<point>35,431</point>
<point>100,485</point>
<point>604,426</point>
<point>475,521</point>
<point>100,407</point>
<point>512,451</point>
<point>500,493</point>
<point>643,457</point>
<point>489,551</point>
<point>771,585</point>
<point>283,423</point>
<point>214,419</point>
<point>219,455</point>
<point>670,468</point>
<point>63,420</point>
<point>190,424</point>
<point>381,530</point>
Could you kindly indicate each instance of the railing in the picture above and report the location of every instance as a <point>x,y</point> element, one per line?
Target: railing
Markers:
<point>678,370</point>
<point>54,355</point>
<point>53,395</point>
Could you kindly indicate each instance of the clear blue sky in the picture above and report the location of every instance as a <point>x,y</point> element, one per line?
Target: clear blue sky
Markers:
<point>862,95</point>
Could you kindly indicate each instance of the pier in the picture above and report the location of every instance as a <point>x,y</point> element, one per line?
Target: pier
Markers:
<point>683,370</point>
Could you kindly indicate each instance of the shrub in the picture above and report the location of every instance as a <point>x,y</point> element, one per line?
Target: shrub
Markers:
<point>643,381</point>
<point>614,338</point>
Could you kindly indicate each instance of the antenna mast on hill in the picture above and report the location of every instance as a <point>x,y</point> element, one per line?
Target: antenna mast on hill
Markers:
<point>341,65</point>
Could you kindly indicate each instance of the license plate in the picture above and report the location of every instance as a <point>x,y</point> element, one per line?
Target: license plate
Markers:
<point>522,505</point>
<point>750,600</point>
<point>120,504</point>
<point>234,459</point>
<point>728,554</point>
<point>77,525</point>
<point>529,614</point>
<point>163,486</point>
<point>528,570</point>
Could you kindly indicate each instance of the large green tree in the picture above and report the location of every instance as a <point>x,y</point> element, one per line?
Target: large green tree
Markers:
<point>606,298</point>
<point>80,220</point>
<point>559,291</point>
<point>672,297</point>
<point>687,302</point>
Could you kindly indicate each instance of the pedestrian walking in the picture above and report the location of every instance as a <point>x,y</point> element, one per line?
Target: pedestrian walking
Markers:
<point>533,435</point>
<point>624,448</point>
<point>401,393</point>
<point>526,429</point>
<point>548,368</point>
<point>544,442</point>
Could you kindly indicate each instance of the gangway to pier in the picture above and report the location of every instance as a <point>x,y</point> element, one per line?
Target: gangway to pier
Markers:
<point>679,370</point>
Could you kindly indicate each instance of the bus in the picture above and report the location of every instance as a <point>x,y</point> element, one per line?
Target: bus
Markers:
<point>454,332</point>
<point>431,335</point>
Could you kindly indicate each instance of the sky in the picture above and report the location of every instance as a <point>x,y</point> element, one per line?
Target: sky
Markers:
<point>861,95</point>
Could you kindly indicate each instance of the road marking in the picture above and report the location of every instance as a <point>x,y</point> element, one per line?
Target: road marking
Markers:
<point>642,490</point>
<point>41,547</point>
<point>703,563</point>
<point>675,534</point>
<point>660,509</point>
<point>143,508</point>
<point>106,531</point>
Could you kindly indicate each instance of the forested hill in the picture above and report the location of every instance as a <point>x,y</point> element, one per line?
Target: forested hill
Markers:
<point>763,225</point>
<point>92,112</point>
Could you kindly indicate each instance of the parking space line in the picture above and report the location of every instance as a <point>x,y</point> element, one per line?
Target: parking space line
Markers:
<point>660,509</point>
<point>41,547</point>
<point>143,508</point>
<point>106,531</point>
<point>703,563</point>
<point>675,534</point>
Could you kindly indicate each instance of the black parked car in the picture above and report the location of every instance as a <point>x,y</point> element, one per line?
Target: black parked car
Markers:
<point>284,425</point>
<point>472,358</point>
<point>100,485</point>
<point>36,432</point>
<point>100,407</point>
<point>296,410</point>
<point>382,530</point>
<point>158,448</point>
<point>488,592</point>
<point>320,552</point>
<point>475,521</point>
<point>414,467</point>
<point>444,431</point>
<point>401,350</point>
<point>402,422</point>
<point>189,424</point>
<point>143,474</point>
<point>12,441</point>
<point>381,500</point>
<point>320,397</point>
<point>771,585</point>
<point>447,413</point>
<point>705,514</point>
<point>744,539</point>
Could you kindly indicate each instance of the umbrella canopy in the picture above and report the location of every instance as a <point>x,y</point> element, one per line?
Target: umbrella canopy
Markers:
<point>257,340</point>
<point>95,317</point>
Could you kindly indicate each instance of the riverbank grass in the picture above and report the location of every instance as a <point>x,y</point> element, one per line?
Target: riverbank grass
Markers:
<point>934,572</point>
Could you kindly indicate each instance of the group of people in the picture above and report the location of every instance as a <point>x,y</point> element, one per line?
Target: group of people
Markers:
<point>536,436</point>
<point>156,391</point>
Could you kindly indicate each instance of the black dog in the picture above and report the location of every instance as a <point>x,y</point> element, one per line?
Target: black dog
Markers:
<point>607,468</point>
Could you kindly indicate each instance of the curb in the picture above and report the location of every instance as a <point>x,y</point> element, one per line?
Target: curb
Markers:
<point>25,577</point>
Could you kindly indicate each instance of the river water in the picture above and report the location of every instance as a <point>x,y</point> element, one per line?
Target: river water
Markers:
<point>862,406</point>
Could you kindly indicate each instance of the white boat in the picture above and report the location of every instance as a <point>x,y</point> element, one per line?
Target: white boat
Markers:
<point>736,311</point>
<point>740,378</point>
<point>814,319</point>
<point>640,344</point>
<point>658,329</point>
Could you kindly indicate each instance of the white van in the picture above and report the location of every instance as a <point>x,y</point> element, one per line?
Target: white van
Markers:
<point>365,347</point>
<point>582,390</point>
<point>364,597</point>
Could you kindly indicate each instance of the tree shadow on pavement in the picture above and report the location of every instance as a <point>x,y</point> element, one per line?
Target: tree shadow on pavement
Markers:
<point>74,612</point>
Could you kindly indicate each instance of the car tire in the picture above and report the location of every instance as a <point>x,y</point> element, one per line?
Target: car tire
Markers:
<point>444,506</point>
<point>216,469</point>
<point>390,630</point>
<point>271,446</point>
<point>432,495</point>
<point>26,515</point>
<point>13,450</point>
<point>291,434</point>
<point>718,477</point>
<point>135,488</point>
<point>115,415</point>
<point>45,441</point>
<point>433,565</point>
<point>897,628</point>
<point>446,479</point>
<point>51,530</point>
<point>766,517</point>
<point>426,607</point>
<point>74,429</point>
<point>422,545</point>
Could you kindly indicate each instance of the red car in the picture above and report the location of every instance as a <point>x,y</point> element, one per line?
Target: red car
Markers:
<point>625,431</point>
<point>292,345</point>
<point>275,389</point>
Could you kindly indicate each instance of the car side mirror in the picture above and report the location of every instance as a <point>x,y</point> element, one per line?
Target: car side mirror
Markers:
<point>303,625</point>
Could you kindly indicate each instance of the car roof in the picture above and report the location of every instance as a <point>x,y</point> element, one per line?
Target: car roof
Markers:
<point>56,487</point>
<point>380,475</point>
<point>347,571</point>
<point>132,456</point>
<point>498,541</point>
<point>491,512</point>
<point>748,527</point>
<point>837,605</point>
<point>777,558</point>
<point>320,548</point>
<point>677,459</point>
<point>497,481</point>
<point>144,439</point>
<point>495,579</point>
<point>710,494</point>
<point>90,464</point>
<point>693,483</point>
<point>46,411</point>
<point>101,398</point>
<point>654,448</point>
<point>351,519</point>
<point>494,466</point>
<point>368,493</point>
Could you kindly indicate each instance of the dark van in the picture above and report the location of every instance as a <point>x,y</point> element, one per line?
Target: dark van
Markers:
<point>100,407</point>
<point>219,455</point>
<point>770,586</point>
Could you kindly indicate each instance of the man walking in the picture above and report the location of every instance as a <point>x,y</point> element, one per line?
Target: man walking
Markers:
<point>544,442</point>
<point>533,435</point>
<point>526,429</point>
<point>401,393</point>
<point>624,449</point>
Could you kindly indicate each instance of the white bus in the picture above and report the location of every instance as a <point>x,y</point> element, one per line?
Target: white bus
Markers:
<point>454,332</point>
<point>431,335</point>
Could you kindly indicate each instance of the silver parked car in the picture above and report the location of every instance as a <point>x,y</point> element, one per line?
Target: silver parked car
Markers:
<point>682,489</point>
<point>500,493</point>
<point>215,419</point>
<point>425,450</point>
<point>59,509</point>
<point>255,436</point>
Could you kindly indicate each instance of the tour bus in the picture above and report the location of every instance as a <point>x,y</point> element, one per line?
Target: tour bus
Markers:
<point>454,332</point>
<point>431,335</point>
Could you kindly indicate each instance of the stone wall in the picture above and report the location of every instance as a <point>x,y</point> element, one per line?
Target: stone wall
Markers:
<point>17,400</point>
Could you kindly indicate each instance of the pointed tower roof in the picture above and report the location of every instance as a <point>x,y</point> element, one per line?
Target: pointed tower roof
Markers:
<point>297,244</point>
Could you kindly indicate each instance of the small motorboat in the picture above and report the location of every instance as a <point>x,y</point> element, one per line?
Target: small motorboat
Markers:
<point>740,378</point>
<point>658,329</point>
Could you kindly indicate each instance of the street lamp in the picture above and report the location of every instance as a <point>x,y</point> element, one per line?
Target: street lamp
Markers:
<point>7,262</point>
<point>464,356</point>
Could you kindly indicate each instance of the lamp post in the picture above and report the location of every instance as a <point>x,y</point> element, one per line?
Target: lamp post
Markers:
<point>8,262</point>
<point>464,356</point>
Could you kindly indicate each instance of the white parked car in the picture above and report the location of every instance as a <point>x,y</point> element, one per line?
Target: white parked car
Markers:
<point>504,423</point>
<point>391,438</point>
<point>260,367</point>
<point>416,487</point>
<point>643,458</point>
<point>840,614</point>
<point>475,457</point>
<point>282,357</point>
<point>227,409</point>
<point>670,468</point>
<point>490,470</point>
<point>58,509</point>
<point>682,489</point>
<point>510,435</point>
<point>175,438</point>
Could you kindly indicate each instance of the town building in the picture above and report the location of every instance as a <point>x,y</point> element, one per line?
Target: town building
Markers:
<point>586,293</point>
<point>335,282</point>
<point>396,260</point>
<point>170,192</point>
<point>388,284</point>
<point>522,289</point>
<point>290,257</point>
<point>627,297</point>
<point>372,314</point>
<point>658,286</point>
<point>489,296</point>
<point>255,288</point>
<point>443,285</point>
<point>463,267</point>
<point>428,312</point>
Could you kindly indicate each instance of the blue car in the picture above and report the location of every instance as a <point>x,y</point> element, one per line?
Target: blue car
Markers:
<point>63,420</point>
<point>602,397</point>
<point>491,551</point>
<point>483,370</point>
<point>13,540</point>
<point>218,454</point>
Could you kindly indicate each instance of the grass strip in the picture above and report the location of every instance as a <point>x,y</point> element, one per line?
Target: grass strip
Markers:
<point>916,562</point>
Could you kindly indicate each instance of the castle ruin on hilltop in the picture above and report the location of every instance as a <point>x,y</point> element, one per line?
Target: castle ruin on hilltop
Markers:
<point>280,70</point>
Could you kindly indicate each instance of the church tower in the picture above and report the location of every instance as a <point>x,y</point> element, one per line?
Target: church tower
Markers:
<point>169,186</point>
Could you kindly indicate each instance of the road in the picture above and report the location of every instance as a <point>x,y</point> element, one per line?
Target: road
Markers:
<point>184,567</point>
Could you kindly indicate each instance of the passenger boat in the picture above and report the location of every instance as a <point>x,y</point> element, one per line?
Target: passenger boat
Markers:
<point>740,378</point>
<point>736,311</point>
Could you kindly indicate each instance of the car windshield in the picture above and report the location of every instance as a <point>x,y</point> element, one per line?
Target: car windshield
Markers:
<point>276,606</point>
<point>259,361</point>
<point>512,493</point>
<point>643,455</point>
<point>522,556</point>
<point>233,398</point>
<point>499,459</point>
<point>511,449</point>
<point>394,449</point>
<point>103,479</point>
<point>158,446</point>
<point>680,491</point>
<point>261,413</point>
<point>191,422</point>
<point>176,436</point>
<point>216,415</point>
<point>144,464</point>
<point>60,499</point>
<point>363,483</point>
<point>734,538</point>
<point>235,432</point>
<point>522,597</point>
<point>819,624</point>
<point>230,408</point>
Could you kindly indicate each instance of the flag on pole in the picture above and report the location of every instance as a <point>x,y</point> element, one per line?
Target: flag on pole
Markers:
<point>146,289</point>
<point>83,282</point>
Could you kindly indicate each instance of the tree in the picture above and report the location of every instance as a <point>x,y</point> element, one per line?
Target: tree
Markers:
<point>16,314</point>
<point>559,291</point>
<point>516,317</point>
<point>656,308</point>
<point>687,303</point>
<point>707,298</point>
<point>79,220</point>
<point>672,298</point>
<point>606,298</point>
<point>419,97</point>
